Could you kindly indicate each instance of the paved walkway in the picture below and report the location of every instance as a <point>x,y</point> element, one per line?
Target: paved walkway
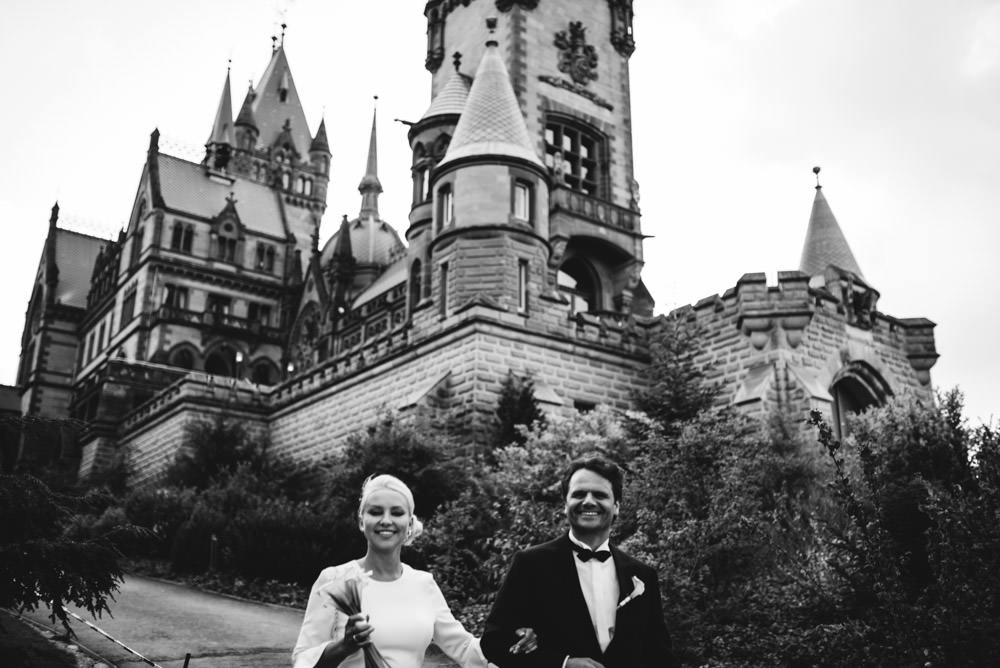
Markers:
<point>164,621</point>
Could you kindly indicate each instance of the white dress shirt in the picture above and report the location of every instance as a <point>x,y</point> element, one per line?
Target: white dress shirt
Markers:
<point>599,583</point>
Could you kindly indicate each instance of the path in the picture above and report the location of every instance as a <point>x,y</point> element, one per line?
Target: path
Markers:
<point>163,621</point>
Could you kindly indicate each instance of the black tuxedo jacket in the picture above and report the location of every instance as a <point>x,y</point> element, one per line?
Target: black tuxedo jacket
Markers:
<point>542,591</point>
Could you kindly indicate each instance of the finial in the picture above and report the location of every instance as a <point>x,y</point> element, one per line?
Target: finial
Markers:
<point>274,43</point>
<point>229,65</point>
<point>283,26</point>
<point>816,172</point>
<point>456,58</point>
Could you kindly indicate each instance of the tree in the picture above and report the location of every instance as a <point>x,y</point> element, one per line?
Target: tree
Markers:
<point>214,448</point>
<point>42,561</point>
<point>516,407</point>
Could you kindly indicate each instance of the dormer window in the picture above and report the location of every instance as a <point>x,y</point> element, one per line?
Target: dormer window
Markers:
<point>225,249</point>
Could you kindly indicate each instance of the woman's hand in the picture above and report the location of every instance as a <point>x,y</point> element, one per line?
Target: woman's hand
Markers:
<point>357,632</point>
<point>527,641</point>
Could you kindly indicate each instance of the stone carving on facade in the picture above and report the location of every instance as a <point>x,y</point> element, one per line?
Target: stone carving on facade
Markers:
<point>578,89</point>
<point>506,5</point>
<point>621,27</point>
<point>576,58</point>
<point>633,189</point>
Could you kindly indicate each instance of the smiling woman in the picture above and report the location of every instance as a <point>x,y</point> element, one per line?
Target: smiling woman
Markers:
<point>401,609</point>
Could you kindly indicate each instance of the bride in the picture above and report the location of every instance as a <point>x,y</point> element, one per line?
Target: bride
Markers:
<point>403,610</point>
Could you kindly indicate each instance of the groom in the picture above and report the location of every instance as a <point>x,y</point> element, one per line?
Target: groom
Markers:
<point>590,604</point>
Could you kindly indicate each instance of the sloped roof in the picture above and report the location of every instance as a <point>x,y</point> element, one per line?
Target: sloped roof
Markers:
<point>492,123</point>
<point>186,187</point>
<point>246,111</point>
<point>450,99</point>
<point>271,113</point>
<point>320,142</point>
<point>76,254</point>
<point>387,280</point>
<point>373,241</point>
<point>825,242</point>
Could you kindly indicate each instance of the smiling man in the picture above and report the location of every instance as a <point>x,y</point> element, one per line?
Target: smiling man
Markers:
<point>590,604</point>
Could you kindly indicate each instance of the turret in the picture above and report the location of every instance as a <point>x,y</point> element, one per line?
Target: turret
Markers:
<point>246,125</point>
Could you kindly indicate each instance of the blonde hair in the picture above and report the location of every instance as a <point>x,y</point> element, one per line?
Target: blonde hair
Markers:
<point>376,483</point>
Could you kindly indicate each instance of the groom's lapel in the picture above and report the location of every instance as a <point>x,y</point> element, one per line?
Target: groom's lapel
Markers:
<point>624,574</point>
<point>577,611</point>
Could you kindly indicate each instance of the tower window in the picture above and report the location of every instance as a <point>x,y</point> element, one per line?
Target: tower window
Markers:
<point>415,288</point>
<point>225,248</point>
<point>522,285</point>
<point>446,206</point>
<point>522,201</point>
<point>575,156</point>
<point>182,237</point>
<point>444,289</point>
<point>128,306</point>
<point>265,257</point>
<point>175,296</point>
<point>136,246</point>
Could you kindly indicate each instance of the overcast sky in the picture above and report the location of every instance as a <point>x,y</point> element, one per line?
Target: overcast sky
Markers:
<point>734,101</point>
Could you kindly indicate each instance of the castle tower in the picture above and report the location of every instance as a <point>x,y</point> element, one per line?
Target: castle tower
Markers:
<point>490,195</point>
<point>568,65</point>
<point>219,147</point>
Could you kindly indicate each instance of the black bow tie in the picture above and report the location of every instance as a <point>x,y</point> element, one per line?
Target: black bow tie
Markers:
<point>586,555</point>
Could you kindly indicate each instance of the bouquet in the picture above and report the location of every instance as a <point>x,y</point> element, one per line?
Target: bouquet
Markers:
<point>347,598</point>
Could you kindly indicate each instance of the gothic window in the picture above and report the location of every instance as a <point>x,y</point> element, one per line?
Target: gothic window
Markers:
<point>128,307</point>
<point>265,257</point>
<point>225,249</point>
<point>100,337</point>
<point>218,308</point>
<point>855,389</point>
<point>522,201</point>
<point>578,283</point>
<point>265,372</point>
<point>183,358</point>
<point>574,153</point>
<point>222,362</point>
<point>175,296</point>
<point>182,237</point>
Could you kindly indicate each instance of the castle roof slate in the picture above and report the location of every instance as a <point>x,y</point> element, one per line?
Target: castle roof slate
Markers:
<point>492,122</point>
<point>825,242</point>
<point>186,187</point>
<point>271,112</point>
<point>75,257</point>
<point>373,241</point>
<point>450,99</point>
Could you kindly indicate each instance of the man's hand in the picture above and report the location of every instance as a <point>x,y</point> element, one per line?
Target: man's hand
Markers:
<point>577,662</point>
<point>527,643</point>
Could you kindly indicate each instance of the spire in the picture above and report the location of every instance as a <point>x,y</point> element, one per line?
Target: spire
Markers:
<point>370,187</point>
<point>320,144</point>
<point>825,243</point>
<point>492,123</point>
<point>222,128</point>
<point>246,117</point>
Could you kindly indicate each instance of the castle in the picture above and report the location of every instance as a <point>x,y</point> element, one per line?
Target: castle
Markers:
<point>523,254</point>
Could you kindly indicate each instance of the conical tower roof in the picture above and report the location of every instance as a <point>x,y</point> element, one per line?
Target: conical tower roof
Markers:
<point>320,142</point>
<point>277,101</point>
<point>451,99</point>
<point>222,128</point>
<point>491,123</point>
<point>245,116</point>
<point>825,243</point>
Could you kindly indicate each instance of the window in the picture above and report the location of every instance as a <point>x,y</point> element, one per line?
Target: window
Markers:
<point>444,289</point>
<point>259,313</point>
<point>446,207</point>
<point>286,180</point>
<point>225,248</point>
<point>574,154</point>
<point>578,283</point>
<point>307,188</point>
<point>522,285</point>
<point>218,305</point>
<point>100,337</point>
<point>175,296</point>
<point>136,246</point>
<point>128,306</point>
<point>182,237</point>
<point>522,201</point>
<point>265,257</point>
<point>414,284</point>
<point>90,347</point>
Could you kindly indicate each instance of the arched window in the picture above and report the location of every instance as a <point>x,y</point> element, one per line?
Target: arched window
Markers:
<point>307,187</point>
<point>578,282</point>
<point>286,181</point>
<point>264,372</point>
<point>222,362</point>
<point>575,155</point>
<point>855,389</point>
<point>182,357</point>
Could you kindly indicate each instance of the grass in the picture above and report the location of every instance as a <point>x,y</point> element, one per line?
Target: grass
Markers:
<point>23,647</point>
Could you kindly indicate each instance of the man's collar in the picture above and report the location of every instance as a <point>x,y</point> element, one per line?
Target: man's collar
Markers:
<point>606,545</point>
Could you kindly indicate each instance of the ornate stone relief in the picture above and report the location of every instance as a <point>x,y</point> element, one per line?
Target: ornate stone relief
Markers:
<point>576,58</point>
<point>621,26</point>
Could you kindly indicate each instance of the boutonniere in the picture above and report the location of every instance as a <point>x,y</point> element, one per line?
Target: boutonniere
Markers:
<point>638,589</point>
